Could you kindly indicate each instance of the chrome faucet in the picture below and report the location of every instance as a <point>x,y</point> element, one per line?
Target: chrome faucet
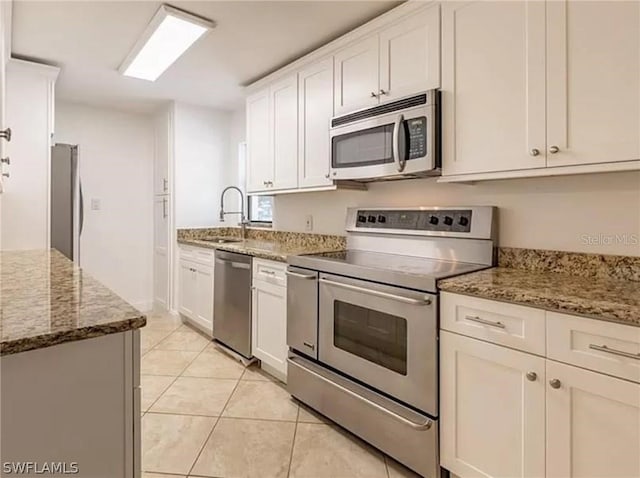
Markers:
<point>243,220</point>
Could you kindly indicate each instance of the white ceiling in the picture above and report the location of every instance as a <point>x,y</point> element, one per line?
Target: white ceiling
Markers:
<point>89,40</point>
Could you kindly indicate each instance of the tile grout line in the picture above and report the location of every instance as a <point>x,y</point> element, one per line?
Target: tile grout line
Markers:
<point>293,443</point>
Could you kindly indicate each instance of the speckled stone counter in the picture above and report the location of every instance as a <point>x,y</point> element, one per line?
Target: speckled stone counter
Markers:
<point>265,244</point>
<point>45,300</point>
<point>596,286</point>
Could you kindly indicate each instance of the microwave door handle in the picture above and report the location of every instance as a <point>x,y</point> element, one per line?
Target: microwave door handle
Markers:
<point>400,162</point>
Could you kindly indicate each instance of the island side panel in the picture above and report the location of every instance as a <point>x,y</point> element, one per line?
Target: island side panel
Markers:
<point>74,403</point>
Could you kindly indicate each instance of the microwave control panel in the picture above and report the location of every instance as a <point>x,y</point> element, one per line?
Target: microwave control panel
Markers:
<point>417,131</point>
<point>437,220</point>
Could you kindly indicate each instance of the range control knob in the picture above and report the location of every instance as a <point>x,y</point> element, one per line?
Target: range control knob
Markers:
<point>372,219</point>
<point>448,220</point>
<point>382,218</point>
<point>434,220</point>
<point>463,221</point>
<point>362,218</point>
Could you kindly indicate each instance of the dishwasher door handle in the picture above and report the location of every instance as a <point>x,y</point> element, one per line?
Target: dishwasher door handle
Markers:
<point>235,265</point>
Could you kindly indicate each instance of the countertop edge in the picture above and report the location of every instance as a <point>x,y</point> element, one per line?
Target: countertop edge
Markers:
<point>10,347</point>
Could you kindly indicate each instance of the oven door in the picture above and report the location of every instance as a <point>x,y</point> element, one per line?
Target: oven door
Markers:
<point>396,144</point>
<point>383,336</point>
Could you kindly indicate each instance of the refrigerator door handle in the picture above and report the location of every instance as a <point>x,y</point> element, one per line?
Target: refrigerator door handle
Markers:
<point>81,207</point>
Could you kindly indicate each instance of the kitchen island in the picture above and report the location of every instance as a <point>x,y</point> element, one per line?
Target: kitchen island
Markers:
<point>69,370</point>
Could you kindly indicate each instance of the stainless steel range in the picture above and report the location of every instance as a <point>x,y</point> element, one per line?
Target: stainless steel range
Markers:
<point>362,325</point>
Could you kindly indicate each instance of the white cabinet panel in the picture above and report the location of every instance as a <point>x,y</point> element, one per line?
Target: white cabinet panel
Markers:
<point>593,424</point>
<point>356,75</point>
<point>187,288</point>
<point>163,131</point>
<point>493,86</point>
<point>259,157</point>
<point>284,136</point>
<point>161,251</point>
<point>315,109</point>
<point>204,297</point>
<point>269,325</point>
<point>593,89</point>
<point>410,55</point>
<point>492,415</point>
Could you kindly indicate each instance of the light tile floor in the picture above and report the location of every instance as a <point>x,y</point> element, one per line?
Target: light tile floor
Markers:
<point>205,415</point>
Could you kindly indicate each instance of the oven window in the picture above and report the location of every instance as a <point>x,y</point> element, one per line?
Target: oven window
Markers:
<point>375,336</point>
<point>363,148</point>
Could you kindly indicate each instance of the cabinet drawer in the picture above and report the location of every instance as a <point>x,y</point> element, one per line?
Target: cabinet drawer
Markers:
<point>605,347</point>
<point>269,271</point>
<point>515,326</point>
<point>197,254</point>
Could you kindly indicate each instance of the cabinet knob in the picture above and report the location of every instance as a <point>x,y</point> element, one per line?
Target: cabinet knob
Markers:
<point>327,175</point>
<point>5,160</point>
<point>555,383</point>
<point>554,149</point>
<point>373,94</point>
<point>6,134</point>
<point>382,92</point>
<point>534,152</point>
<point>532,376</point>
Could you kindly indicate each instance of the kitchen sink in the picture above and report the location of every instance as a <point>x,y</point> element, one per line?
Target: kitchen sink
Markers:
<point>221,240</point>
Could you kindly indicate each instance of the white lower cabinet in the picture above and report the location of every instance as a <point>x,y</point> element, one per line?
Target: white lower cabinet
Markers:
<point>195,288</point>
<point>269,318</point>
<point>492,413</point>
<point>593,424</point>
<point>510,413</point>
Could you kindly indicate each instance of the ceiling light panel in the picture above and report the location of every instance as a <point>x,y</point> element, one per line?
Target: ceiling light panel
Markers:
<point>169,34</point>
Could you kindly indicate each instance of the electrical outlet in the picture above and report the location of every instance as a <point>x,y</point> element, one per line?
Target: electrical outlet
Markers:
<point>95,204</point>
<point>308,223</point>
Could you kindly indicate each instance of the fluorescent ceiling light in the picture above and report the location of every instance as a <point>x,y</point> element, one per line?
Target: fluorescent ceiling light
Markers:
<point>169,34</point>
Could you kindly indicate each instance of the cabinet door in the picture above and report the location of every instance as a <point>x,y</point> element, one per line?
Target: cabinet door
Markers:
<point>162,151</point>
<point>259,157</point>
<point>356,76</point>
<point>203,302</point>
<point>161,251</point>
<point>4,27</point>
<point>284,118</point>
<point>410,55</point>
<point>187,288</point>
<point>593,102</point>
<point>493,86</point>
<point>492,415</point>
<point>593,424</point>
<point>269,324</point>
<point>315,109</point>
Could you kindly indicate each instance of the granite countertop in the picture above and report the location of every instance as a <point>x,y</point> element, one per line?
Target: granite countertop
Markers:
<point>45,300</point>
<point>265,249</point>
<point>601,298</point>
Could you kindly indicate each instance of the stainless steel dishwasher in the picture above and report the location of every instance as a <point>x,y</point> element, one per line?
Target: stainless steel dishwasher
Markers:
<point>232,301</point>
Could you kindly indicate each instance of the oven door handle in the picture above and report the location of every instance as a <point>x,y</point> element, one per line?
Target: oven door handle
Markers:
<point>377,293</point>
<point>400,162</point>
<point>416,426</point>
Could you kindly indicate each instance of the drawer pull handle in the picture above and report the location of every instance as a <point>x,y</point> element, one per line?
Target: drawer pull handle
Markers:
<point>269,273</point>
<point>475,318</point>
<point>311,346</point>
<point>621,353</point>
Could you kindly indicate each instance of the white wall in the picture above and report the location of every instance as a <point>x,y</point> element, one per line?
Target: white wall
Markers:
<point>202,153</point>
<point>570,213</point>
<point>116,166</point>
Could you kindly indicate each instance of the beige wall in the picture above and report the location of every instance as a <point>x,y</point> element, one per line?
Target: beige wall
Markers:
<point>570,213</point>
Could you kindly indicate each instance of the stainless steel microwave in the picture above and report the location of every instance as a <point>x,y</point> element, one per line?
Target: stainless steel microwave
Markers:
<point>393,140</point>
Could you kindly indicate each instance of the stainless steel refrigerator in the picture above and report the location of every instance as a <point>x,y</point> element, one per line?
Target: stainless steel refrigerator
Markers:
<point>66,201</point>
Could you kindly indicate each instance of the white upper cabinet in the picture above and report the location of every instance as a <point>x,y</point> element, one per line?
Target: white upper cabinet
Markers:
<point>493,86</point>
<point>163,131</point>
<point>315,109</point>
<point>356,75</point>
<point>284,136</point>
<point>410,55</point>
<point>593,424</point>
<point>492,409</point>
<point>593,89</point>
<point>259,157</point>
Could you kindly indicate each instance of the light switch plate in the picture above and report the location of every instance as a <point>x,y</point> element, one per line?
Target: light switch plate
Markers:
<point>308,223</point>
